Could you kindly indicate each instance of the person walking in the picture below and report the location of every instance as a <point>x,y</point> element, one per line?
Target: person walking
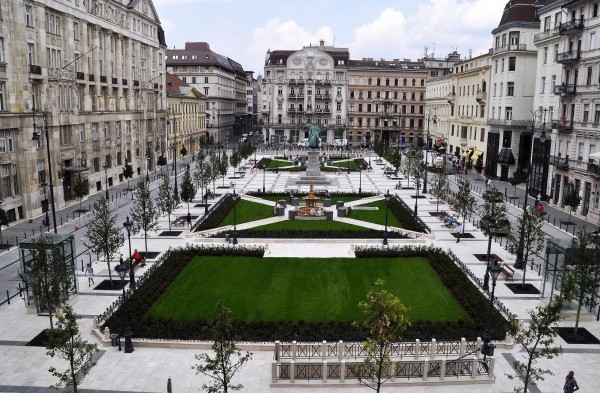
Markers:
<point>458,232</point>
<point>570,383</point>
<point>189,219</point>
<point>89,273</point>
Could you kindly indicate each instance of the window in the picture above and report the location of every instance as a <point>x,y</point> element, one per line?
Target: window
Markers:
<point>545,61</point>
<point>502,68</point>
<point>543,85</point>
<point>595,10</point>
<point>30,54</point>
<point>1,50</point>
<point>589,76</point>
<point>95,131</point>
<point>592,40</point>
<point>2,96</point>
<point>482,135</point>
<point>28,15</point>
<point>81,133</point>
<point>76,31</point>
<point>41,172</point>
<point>508,113</point>
<point>501,90</point>
<point>507,139</point>
<point>597,114</point>
<point>553,83</point>
<point>586,113</point>
<point>512,63</point>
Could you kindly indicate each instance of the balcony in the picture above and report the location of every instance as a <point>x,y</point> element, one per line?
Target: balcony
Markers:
<point>80,76</point>
<point>91,77</point>
<point>102,79</point>
<point>574,26</point>
<point>124,82</point>
<point>565,90</point>
<point>559,162</point>
<point>594,170</point>
<point>545,35</point>
<point>509,122</point>
<point>35,69</point>
<point>327,96</point>
<point>509,48</point>
<point>481,96</point>
<point>292,81</point>
<point>136,83</point>
<point>291,110</point>
<point>568,57</point>
<point>291,96</point>
<point>451,98</point>
<point>563,126</point>
<point>114,81</point>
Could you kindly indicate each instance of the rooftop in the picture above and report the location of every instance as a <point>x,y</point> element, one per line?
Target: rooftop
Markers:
<point>199,53</point>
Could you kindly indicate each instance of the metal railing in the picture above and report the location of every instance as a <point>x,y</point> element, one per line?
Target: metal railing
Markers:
<point>545,35</point>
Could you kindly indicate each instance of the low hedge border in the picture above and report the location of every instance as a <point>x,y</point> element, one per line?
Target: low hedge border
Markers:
<point>301,234</point>
<point>137,304</point>
<point>285,195</point>
<point>216,215</point>
<point>406,216</point>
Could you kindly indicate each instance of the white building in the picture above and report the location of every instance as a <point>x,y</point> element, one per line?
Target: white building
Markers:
<point>437,106</point>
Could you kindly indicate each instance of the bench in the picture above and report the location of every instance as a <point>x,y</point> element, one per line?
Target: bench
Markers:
<point>508,272</point>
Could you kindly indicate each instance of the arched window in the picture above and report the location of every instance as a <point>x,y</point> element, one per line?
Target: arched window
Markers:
<point>422,82</point>
<point>396,82</point>
<point>414,82</point>
<point>370,81</point>
<point>404,82</point>
<point>378,81</point>
<point>483,87</point>
<point>387,81</point>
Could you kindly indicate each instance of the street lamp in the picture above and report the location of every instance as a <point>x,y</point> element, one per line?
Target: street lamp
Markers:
<point>128,224</point>
<point>427,149</point>
<point>175,189</point>
<point>46,222</point>
<point>36,137</point>
<point>387,196</point>
<point>488,349</point>
<point>235,197</point>
<point>264,172</point>
<point>486,278</point>
<point>106,179</point>
<point>148,170</point>
<point>360,176</point>
<point>417,178</point>
<point>205,180</point>
<point>121,269</point>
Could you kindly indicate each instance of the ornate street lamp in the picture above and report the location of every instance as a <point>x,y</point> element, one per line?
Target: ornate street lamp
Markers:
<point>128,225</point>
<point>488,348</point>
<point>205,180</point>
<point>121,270</point>
<point>388,197</point>
<point>105,167</point>
<point>148,170</point>
<point>486,278</point>
<point>234,197</point>
<point>417,178</point>
<point>46,221</point>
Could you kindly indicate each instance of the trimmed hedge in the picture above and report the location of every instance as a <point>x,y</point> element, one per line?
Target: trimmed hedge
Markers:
<point>142,299</point>
<point>406,216</point>
<point>285,195</point>
<point>217,215</point>
<point>303,234</point>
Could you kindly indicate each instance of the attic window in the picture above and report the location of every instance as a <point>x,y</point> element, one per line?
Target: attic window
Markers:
<point>175,57</point>
<point>194,57</point>
<point>207,57</point>
<point>183,57</point>
<point>280,61</point>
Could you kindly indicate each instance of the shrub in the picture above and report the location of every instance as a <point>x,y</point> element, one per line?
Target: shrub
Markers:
<point>216,215</point>
<point>304,234</point>
<point>406,216</point>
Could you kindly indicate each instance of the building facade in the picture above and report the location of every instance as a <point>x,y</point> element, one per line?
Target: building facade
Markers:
<point>469,98</point>
<point>305,87</point>
<point>386,101</point>
<point>186,122</point>
<point>439,67</point>
<point>94,73</point>
<point>438,110</point>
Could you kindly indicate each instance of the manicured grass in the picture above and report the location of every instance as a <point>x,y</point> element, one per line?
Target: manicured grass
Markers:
<point>279,163</point>
<point>311,290</point>
<point>247,211</point>
<point>375,216</point>
<point>344,164</point>
<point>309,225</point>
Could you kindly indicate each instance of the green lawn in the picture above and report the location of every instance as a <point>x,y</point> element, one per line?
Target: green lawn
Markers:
<point>375,216</point>
<point>344,164</point>
<point>279,163</point>
<point>312,290</point>
<point>309,225</point>
<point>247,211</point>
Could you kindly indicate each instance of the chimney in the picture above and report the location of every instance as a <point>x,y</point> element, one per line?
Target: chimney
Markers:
<point>322,44</point>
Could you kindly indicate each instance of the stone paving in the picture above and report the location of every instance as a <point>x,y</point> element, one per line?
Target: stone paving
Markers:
<point>24,368</point>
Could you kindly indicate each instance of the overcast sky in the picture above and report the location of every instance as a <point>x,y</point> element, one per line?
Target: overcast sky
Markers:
<point>245,29</point>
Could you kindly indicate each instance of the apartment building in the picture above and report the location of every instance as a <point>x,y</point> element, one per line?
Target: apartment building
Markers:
<point>469,98</point>
<point>94,73</point>
<point>304,87</point>
<point>252,89</point>
<point>439,67</point>
<point>386,101</point>
<point>220,79</point>
<point>186,108</point>
<point>438,96</point>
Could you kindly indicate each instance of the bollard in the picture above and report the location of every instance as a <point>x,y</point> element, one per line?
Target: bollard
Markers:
<point>20,290</point>
<point>60,220</point>
<point>7,297</point>
<point>82,265</point>
<point>24,235</point>
<point>169,386</point>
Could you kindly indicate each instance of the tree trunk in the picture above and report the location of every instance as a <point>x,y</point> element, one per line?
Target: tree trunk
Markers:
<point>109,271</point>
<point>570,212</point>
<point>146,242</point>
<point>463,225</point>
<point>437,205</point>
<point>188,207</point>
<point>73,373</point>
<point>524,270</point>
<point>576,330</point>
<point>169,218</point>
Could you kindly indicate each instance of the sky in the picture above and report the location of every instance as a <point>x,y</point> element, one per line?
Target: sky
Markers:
<point>245,29</point>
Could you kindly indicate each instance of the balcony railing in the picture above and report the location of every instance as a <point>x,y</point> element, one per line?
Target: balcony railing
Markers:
<point>451,98</point>
<point>291,95</point>
<point>481,96</point>
<point>560,162</point>
<point>507,48</point>
<point>563,126</point>
<point>463,141</point>
<point>573,26</point>
<point>35,69</point>
<point>514,123</point>
<point>568,57</point>
<point>594,169</point>
<point>91,77</point>
<point>545,35</point>
<point>565,89</point>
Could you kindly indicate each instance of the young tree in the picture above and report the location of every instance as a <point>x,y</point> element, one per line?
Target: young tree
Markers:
<point>516,179</point>
<point>143,212</point>
<point>493,209</point>
<point>395,159</point>
<point>67,344</point>
<point>537,339</point>
<point>529,228</point>
<point>165,200</point>
<point>46,276</point>
<point>385,323</point>
<point>188,192</point>
<point>439,187</point>
<point>183,151</point>
<point>583,278</point>
<point>103,234</point>
<point>214,169</point>
<point>479,165</point>
<point>80,189</point>
<point>236,158</point>
<point>161,161</point>
<point>463,202</point>
<point>572,199</point>
<point>223,166</point>
<point>127,172</point>
<point>200,167</point>
<point>227,360</point>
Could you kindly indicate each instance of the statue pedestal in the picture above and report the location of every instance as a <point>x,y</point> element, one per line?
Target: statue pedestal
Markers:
<point>313,166</point>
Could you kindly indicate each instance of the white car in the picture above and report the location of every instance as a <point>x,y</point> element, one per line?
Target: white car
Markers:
<point>303,142</point>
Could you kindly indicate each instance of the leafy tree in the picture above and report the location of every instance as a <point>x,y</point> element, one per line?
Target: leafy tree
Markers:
<point>66,343</point>
<point>143,212</point>
<point>439,187</point>
<point>228,358</point>
<point>395,159</point>
<point>214,168</point>
<point>223,166</point>
<point>572,199</point>
<point>103,234</point>
<point>385,323</point>
<point>46,276</point>
<point>529,228</point>
<point>161,161</point>
<point>165,200</point>
<point>236,158</point>
<point>183,151</point>
<point>127,172</point>
<point>188,192</point>
<point>583,278</point>
<point>200,166</point>
<point>493,209</point>
<point>479,165</point>
<point>537,339</point>
<point>516,179</point>
<point>463,202</point>
<point>3,220</point>
<point>80,189</point>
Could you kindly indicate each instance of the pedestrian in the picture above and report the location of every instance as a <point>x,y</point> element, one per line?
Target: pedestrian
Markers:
<point>89,273</point>
<point>189,219</point>
<point>488,183</point>
<point>570,383</point>
<point>458,232</point>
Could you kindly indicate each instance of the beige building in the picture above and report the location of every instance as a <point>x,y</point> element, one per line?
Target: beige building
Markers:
<point>386,101</point>
<point>96,70</point>
<point>438,110</point>
<point>186,123</point>
<point>469,97</point>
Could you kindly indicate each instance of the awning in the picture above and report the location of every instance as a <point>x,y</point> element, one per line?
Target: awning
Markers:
<point>476,155</point>
<point>468,152</point>
<point>75,169</point>
<point>505,157</point>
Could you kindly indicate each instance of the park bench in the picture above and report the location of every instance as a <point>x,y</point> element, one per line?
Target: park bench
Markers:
<point>508,272</point>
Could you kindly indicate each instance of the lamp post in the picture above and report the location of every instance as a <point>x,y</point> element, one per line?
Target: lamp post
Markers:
<point>175,188</point>
<point>427,150</point>
<point>46,222</point>
<point>121,269</point>
<point>387,196</point>
<point>148,170</point>
<point>36,137</point>
<point>417,178</point>
<point>488,349</point>
<point>128,224</point>
<point>205,179</point>
<point>235,197</point>
<point>264,172</point>
<point>486,278</point>
<point>106,179</point>
<point>360,177</point>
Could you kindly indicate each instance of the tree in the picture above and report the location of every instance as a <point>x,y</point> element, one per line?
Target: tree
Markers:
<point>236,158</point>
<point>46,276</point>
<point>493,209</point>
<point>529,228</point>
<point>165,200</point>
<point>188,192</point>
<point>227,360</point>
<point>214,165</point>
<point>161,161</point>
<point>127,172</point>
<point>200,167</point>
<point>463,203</point>
<point>537,339</point>
<point>3,220</point>
<point>223,166</point>
<point>80,189</point>
<point>66,343</point>
<point>395,159</point>
<point>572,199</point>
<point>439,187</point>
<point>516,179</point>
<point>583,278</point>
<point>183,151</point>
<point>143,212</point>
<point>385,323</point>
<point>103,235</point>
<point>479,165</point>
